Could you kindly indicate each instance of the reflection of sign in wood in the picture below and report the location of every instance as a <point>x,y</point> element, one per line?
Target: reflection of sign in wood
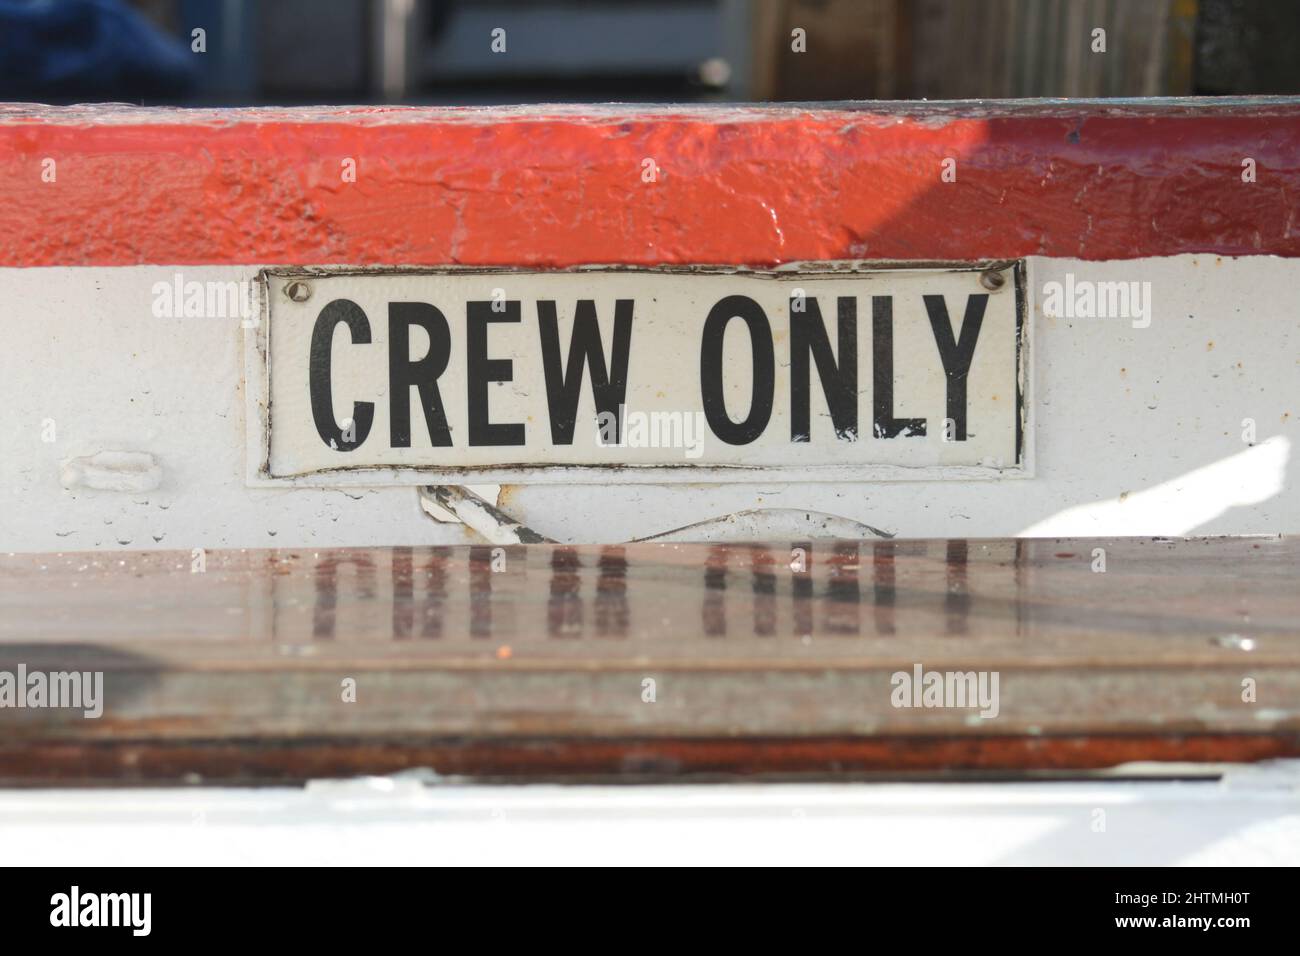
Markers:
<point>780,656</point>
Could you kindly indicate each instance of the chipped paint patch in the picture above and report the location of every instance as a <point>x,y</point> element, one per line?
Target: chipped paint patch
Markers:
<point>129,471</point>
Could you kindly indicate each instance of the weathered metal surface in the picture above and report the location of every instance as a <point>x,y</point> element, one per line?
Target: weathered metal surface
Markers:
<point>533,660</point>
<point>558,186</point>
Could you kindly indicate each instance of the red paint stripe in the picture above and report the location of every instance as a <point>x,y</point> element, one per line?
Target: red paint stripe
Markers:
<point>558,188</point>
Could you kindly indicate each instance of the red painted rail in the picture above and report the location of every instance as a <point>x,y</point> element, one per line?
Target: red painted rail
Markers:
<point>559,186</point>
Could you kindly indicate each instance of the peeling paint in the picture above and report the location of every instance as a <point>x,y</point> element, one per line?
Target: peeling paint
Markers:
<point>129,471</point>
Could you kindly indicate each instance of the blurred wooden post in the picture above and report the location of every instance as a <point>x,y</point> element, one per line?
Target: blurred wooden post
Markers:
<point>963,49</point>
<point>855,50</point>
<point>1025,48</point>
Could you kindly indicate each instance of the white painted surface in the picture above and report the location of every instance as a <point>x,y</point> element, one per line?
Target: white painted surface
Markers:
<point>665,315</point>
<point>394,821</point>
<point>1137,430</point>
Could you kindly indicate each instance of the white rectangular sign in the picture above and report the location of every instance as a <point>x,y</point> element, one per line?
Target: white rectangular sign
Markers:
<point>603,373</point>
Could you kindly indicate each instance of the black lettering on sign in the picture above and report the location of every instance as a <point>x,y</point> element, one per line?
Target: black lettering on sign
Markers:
<point>882,365</point>
<point>956,355</point>
<point>564,386</point>
<point>319,384</point>
<point>839,380</point>
<point>482,371</point>
<point>422,373</point>
<point>764,364</point>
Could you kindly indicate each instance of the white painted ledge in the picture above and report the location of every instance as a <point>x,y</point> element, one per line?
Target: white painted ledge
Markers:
<point>384,821</point>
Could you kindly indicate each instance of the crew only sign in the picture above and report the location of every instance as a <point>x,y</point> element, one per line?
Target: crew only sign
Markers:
<point>643,374</point>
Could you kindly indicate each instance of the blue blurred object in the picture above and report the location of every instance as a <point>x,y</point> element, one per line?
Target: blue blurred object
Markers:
<point>89,50</point>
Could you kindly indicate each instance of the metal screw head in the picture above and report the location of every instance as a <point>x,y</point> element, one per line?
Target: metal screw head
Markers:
<point>993,280</point>
<point>298,291</point>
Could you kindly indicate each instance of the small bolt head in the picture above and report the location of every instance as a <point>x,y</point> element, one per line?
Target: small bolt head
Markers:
<point>298,291</point>
<point>993,280</point>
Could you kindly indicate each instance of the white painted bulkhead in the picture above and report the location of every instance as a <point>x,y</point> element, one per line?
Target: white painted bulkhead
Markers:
<point>127,430</point>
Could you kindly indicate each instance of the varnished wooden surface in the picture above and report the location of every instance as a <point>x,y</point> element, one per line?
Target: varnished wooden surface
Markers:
<point>774,657</point>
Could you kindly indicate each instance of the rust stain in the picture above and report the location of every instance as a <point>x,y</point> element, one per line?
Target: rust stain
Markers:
<point>507,495</point>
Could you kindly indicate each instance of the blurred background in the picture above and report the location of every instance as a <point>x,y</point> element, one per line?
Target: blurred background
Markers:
<point>246,52</point>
